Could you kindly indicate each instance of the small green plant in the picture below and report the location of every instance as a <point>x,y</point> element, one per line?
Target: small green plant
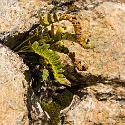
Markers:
<point>46,43</point>
<point>61,101</point>
<point>53,109</point>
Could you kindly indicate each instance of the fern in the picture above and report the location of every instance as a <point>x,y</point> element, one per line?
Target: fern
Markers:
<point>45,75</point>
<point>52,57</point>
<point>46,45</point>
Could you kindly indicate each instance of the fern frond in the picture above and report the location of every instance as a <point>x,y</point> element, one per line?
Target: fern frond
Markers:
<point>58,35</point>
<point>53,58</point>
<point>49,19</point>
<point>45,75</point>
<point>69,36</point>
<point>44,21</point>
<point>55,17</point>
<point>78,30</point>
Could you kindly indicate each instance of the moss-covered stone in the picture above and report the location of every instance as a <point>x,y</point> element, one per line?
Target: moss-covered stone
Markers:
<point>61,101</point>
<point>53,110</point>
<point>64,99</point>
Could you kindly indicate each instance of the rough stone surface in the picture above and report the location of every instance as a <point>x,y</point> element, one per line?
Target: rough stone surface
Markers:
<point>18,103</point>
<point>18,17</point>
<point>13,81</point>
<point>103,84</point>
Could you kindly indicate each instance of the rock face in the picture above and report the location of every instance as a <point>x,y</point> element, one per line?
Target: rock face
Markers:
<point>103,85</point>
<point>17,17</point>
<point>13,81</point>
<point>18,103</point>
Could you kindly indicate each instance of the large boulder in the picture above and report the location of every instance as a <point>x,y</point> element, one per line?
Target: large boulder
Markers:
<point>103,84</point>
<point>18,17</point>
<point>18,104</point>
<point>14,82</point>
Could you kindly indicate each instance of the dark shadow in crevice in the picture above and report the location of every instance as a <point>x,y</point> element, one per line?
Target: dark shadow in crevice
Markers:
<point>31,100</point>
<point>87,79</point>
<point>81,81</point>
<point>12,41</point>
<point>28,94</point>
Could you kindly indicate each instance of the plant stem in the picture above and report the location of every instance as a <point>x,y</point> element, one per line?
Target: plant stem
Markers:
<point>27,40</point>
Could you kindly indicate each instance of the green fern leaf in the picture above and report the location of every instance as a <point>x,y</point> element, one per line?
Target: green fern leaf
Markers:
<point>53,59</point>
<point>55,17</point>
<point>69,36</point>
<point>44,21</point>
<point>52,31</point>
<point>50,18</point>
<point>58,35</point>
<point>45,75</point>
<point>35,45</point>
<point>41,21</point>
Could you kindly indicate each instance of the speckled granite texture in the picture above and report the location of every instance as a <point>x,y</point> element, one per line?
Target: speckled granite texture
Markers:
<point>104,97</point>
<point>13,82</point>
<point>103,84</point>
<point>19,16</point>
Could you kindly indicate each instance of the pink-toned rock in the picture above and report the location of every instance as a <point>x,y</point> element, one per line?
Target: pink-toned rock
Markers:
<point>103,84</point>
<point>104,101</point>
<point>13,87</point>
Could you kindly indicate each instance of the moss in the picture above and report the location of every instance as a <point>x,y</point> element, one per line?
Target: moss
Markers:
<point>64,99</point>
<point>61,101</point>
<point>53,110</point>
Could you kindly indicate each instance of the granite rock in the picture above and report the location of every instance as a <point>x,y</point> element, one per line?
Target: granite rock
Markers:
<point>14,80</point>
<point>103,84</point>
